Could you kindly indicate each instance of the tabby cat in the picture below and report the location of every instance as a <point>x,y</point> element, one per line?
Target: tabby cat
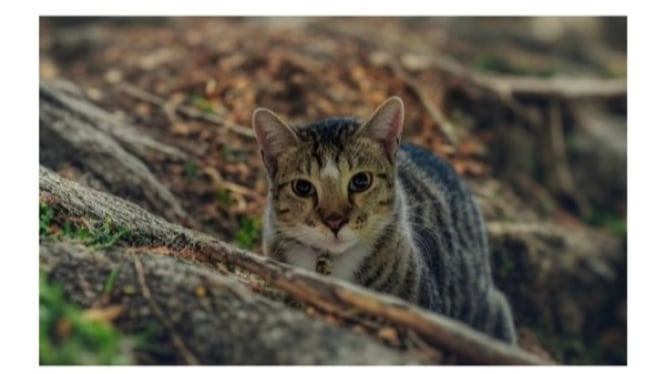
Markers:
<point>390,217</point>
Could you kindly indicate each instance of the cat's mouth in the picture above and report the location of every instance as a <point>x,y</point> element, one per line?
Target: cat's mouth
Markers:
<point>335,244</point>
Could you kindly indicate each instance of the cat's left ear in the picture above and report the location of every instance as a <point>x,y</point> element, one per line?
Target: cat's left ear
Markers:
<point>385,125</point>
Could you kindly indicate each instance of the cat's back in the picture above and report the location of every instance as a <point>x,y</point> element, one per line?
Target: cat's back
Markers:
<point>447,226</point>
<point>420,167</point>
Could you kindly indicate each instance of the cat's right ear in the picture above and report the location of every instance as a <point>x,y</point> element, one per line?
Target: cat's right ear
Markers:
<point>273,135</point>
<point>385,125</point>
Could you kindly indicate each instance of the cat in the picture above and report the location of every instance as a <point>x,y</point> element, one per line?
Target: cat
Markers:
<point>390,217</point>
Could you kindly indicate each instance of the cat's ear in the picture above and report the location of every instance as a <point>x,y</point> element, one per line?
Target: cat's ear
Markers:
<point>273,135</point>
<point>385,125</point>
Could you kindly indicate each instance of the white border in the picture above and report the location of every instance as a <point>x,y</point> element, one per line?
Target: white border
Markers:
<point>336,7</point>
<point>18,143</point>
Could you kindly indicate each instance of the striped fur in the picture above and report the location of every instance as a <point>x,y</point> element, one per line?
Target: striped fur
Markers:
<point>415,233</point>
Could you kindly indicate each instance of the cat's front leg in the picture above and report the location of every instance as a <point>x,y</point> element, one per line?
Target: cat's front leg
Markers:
<point>301,257</point>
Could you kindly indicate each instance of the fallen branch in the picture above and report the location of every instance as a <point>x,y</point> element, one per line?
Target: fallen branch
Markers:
<point>109,154</point>
<point>219,181</point>
<point>560,158</point>
<point>186,111</point>
<point>333,295</point>
<point>326,293</point>
<point>504,88</point>
<point>568,88</point>
<point>66,95</point>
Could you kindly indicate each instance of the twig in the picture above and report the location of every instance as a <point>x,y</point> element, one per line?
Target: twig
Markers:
<point>175,338</point>
<point>442,332</point>
<point>511,86</point>
<point>186,111</point>
<point>219,181</point>
<point>439,118</point>
<point>563,87</point>
<point>564,176</point>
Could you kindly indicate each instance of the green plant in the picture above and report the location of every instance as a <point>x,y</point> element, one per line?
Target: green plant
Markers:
<point>224,197</point>
<point>202,103</point>
<point>103,235</point>
<point>191,170</point>
<point>45,218</point>
<point>248,232</point>
<point>100,236</point>
<point>612,222</point>
<point>66,337</point>
<point>110,281</point>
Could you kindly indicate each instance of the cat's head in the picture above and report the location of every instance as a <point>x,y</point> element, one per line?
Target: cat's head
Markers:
<point>332,182</point>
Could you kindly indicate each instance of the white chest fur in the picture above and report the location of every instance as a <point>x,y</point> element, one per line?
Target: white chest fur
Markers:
<point>343,265</point>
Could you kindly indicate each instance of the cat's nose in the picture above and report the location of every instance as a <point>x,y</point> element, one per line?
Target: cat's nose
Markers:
<point>335,222</point>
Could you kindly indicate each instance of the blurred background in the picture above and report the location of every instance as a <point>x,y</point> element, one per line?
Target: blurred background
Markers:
<point>531,111</point>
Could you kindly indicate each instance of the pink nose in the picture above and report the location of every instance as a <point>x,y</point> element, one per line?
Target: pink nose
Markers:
<point>335,221</point>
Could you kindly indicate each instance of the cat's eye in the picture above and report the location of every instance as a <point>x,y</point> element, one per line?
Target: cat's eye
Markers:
<point>360,182</point>
<point>303,188</point>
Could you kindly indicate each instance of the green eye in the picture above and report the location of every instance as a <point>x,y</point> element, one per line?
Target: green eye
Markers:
<point>360,182</point>
<point>303,188</point>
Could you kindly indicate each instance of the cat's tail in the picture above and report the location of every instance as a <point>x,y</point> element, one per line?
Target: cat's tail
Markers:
<point>500,322</point>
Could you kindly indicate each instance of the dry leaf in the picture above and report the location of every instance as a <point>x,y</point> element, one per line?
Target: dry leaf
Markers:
<point>389,335</point>
<point>104,314</point>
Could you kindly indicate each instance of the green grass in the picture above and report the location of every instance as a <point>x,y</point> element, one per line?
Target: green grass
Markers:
<point>249,232</point>
<point>45,218</point>
<point>202,104</point>
<point>67,338</point>
<point>110,281</point>
<point>103,235</point>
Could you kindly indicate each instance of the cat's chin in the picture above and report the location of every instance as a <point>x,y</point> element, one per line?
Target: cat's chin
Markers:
<point>341,243</point>
<point>334,245</point>
<point>337,245</point>
<point>345,240</point>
